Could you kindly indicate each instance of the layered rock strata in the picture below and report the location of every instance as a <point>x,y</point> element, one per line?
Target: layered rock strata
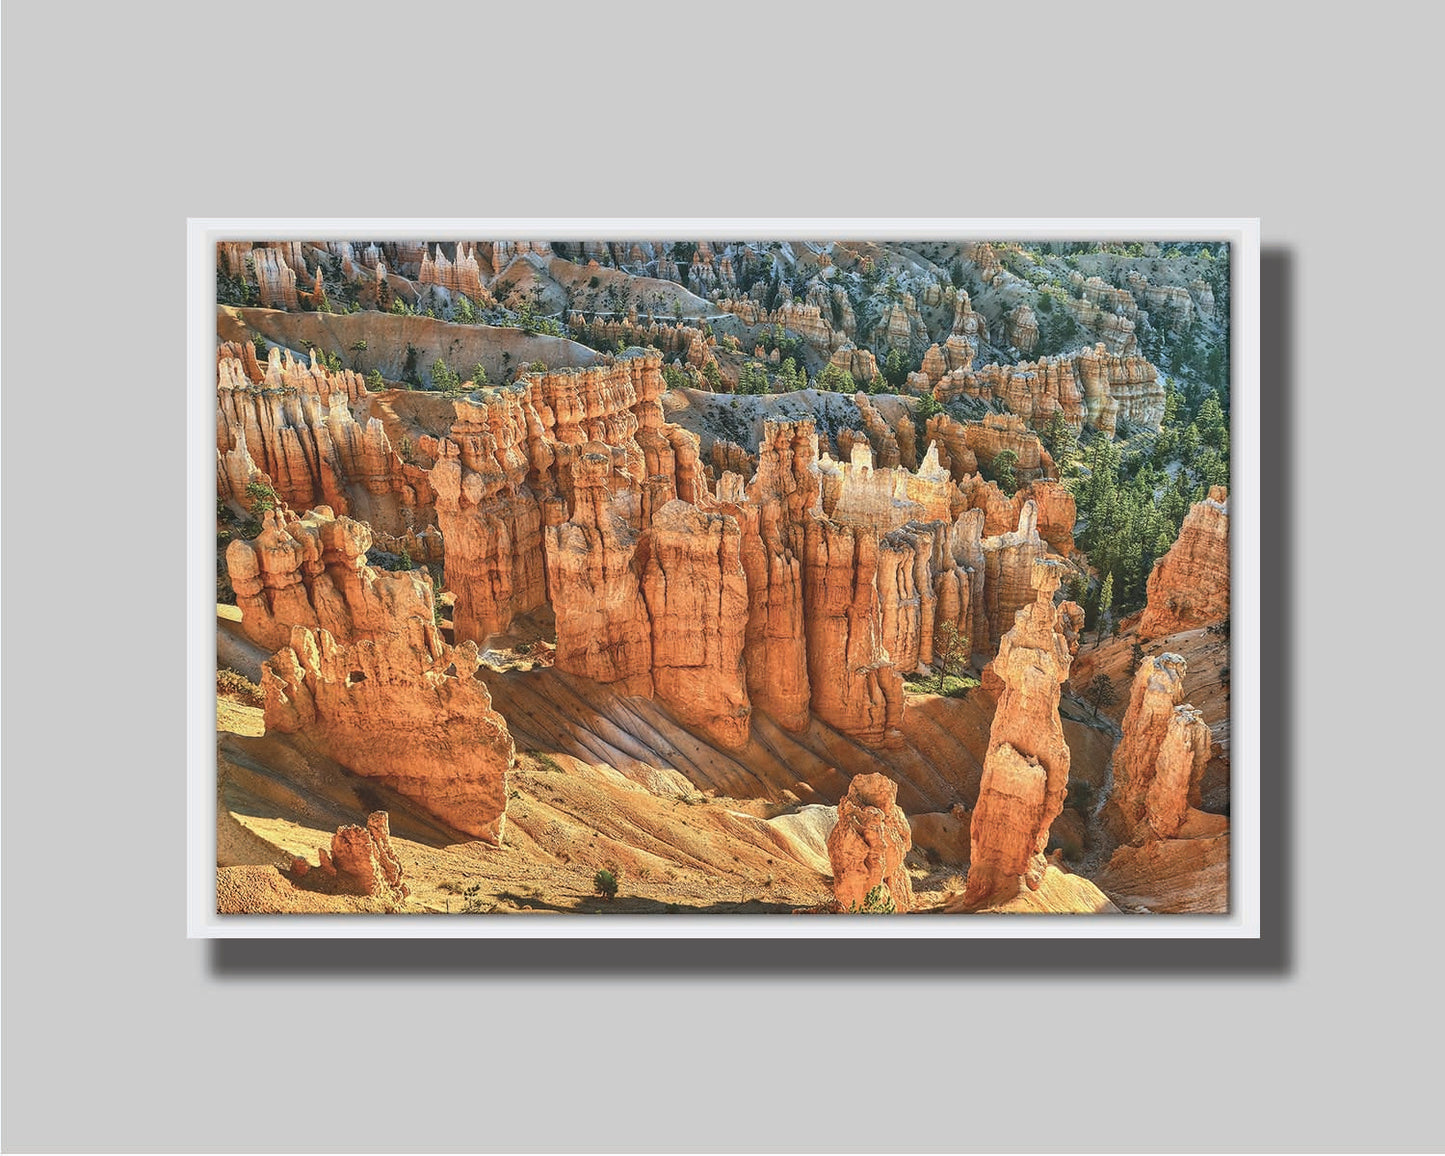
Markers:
<point>1189,586</point>
<point>1010,576</point>
<point>867,845</point>
<point>855,686</point>
<point>1026,770</point>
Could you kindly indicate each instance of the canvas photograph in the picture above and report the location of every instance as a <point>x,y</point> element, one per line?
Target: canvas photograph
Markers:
<point>720,575</point>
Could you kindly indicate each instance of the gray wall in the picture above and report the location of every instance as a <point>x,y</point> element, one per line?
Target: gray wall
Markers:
<point>120,1034</point>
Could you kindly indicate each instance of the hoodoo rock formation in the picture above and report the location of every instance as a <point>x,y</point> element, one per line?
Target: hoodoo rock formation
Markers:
<point>361,861</point>
<point>464,275</point>
<point>964,447</point>
<point>510,464</point>
<point>1010,575</point>
<point>1160,760</point>
<point>1189,586</point>
<point>867,846</point>
<point>1026,771</point>
<point>404,709</point>
<point>311,571</point>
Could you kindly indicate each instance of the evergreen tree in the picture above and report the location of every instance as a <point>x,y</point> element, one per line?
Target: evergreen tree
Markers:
<point>1106,600</point>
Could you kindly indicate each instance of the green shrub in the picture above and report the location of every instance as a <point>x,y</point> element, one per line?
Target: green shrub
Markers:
<point>262,496</point>
<point>605,884</point>
<point>878,901</point>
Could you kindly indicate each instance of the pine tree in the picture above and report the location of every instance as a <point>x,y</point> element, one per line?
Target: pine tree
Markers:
<point>1106,600</point>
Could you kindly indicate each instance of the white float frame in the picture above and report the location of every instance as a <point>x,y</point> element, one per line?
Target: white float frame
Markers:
<point>1243,919</point>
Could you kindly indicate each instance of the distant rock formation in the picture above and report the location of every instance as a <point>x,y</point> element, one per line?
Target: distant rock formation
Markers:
<point>1026,771</point>
<point>860,364</point>
<point>404,709</point>
<point>464,275</point>
<point>966,446</point>
<point>867,846</point>
<point>1091,386</point>
<point>1021,329</point>
<point>1189,586</point>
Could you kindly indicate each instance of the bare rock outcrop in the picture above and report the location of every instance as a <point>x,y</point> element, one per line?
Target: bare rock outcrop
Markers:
<point>1056,513</point>
<point>489,517</point>
<point>964,447</point>
<point>296,427</point>
<point>860,364</point>
<point>867,846</point>
<point>1189,586</point>
<point>464,275</point>
<point>312,571</point>
<point>1178,772</point>
<point>404,709</point>
<point>511,463</point>
<point>275,279</point>
<point>1026,770</point>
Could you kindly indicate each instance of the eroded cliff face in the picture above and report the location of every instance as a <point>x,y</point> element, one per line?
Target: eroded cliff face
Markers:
<point>1189,586</point>
<point>696,594</point>
<point>510,467</point>
<point>463,275</point>
<point>603,630</point>
<point>404,709</point>
<point>305,430</point>
<point>855,686</point>
<point>1026,771</point>
<point>311,571</point>
<point>867,845</point>
<point>1009,575</point>
<point>490,519</point>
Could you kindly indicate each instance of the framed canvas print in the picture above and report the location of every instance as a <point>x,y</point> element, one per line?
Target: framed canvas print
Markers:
<point>712,578</point>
